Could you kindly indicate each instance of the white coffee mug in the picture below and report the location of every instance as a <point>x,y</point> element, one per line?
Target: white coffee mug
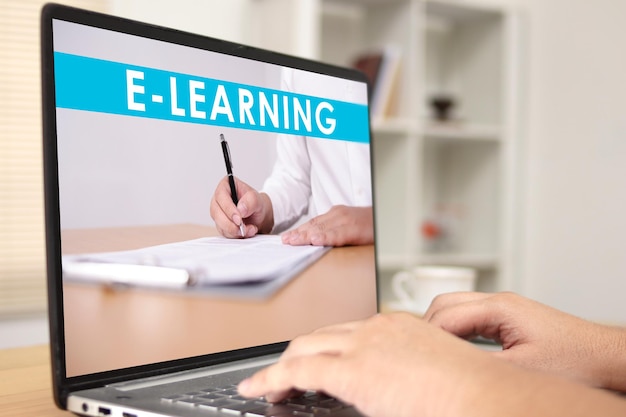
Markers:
<point>417,287</point>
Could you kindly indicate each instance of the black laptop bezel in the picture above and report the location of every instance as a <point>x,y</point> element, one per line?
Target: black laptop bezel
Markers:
<point>63,385</point>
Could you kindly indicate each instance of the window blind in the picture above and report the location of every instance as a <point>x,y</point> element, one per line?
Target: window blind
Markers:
<point>22,255</point>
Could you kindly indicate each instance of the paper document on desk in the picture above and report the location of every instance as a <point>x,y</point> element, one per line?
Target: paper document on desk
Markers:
<point>204,261</point>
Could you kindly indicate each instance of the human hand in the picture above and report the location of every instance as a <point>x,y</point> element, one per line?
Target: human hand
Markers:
<point>340,226</point>
<point>537,336</point>
<point>390,365</point>
<point>254,210</point>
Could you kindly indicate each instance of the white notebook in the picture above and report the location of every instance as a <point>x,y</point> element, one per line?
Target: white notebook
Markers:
<point>198,262</point>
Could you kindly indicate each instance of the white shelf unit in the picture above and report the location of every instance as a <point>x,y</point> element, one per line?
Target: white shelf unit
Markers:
<point>462,171</point>
<point>464,167</point>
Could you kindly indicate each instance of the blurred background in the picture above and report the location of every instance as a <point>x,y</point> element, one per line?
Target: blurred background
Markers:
<point>499,136</point>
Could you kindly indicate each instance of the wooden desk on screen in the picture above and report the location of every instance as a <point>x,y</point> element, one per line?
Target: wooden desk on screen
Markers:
<point>115,328</point>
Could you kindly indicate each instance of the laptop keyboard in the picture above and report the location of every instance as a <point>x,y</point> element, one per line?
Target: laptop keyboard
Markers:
<point>228,401</point>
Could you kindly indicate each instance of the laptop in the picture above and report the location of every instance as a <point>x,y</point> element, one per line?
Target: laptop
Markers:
<point>133,121</point>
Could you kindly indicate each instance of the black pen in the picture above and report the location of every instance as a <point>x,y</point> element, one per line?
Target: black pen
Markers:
<point>231,178</point>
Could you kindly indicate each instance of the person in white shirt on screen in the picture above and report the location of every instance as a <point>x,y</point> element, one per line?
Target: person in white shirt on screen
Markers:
<point>324,178</point>
<point>316,176</point>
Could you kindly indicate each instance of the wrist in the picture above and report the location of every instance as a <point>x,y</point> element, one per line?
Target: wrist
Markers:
<point>610,349</point>
<point>267,222</point>
<point>498,386</point>
<point>523,392</point>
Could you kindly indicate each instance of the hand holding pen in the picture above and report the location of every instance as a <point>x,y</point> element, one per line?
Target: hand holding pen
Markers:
<point>238,209</point>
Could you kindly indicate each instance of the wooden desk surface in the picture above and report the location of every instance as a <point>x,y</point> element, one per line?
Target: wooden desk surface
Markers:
<point>111,329</point>
<point>26,383</point>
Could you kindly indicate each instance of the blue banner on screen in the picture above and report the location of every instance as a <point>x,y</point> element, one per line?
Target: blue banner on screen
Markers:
<point>97,85</point>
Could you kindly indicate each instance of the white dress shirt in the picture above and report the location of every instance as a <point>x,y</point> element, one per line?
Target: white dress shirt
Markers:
<point>311,175</point>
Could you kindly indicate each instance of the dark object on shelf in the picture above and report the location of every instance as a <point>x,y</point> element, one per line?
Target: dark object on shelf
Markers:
<point>381,68</point>
<point>443,106</point>
<point>370,64</point>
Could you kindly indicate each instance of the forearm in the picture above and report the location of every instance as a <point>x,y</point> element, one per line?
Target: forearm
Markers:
<point>609,349</point>
<point>552,396</point>
<point>522,393</point>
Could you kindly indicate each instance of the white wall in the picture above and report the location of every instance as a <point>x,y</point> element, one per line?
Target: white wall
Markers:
<point>575,245</point>
<point>279,25</point>
<point>574,239</point>
<point>224,19</point>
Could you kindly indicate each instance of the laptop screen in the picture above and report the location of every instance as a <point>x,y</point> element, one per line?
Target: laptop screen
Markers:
<point>157,265</point>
